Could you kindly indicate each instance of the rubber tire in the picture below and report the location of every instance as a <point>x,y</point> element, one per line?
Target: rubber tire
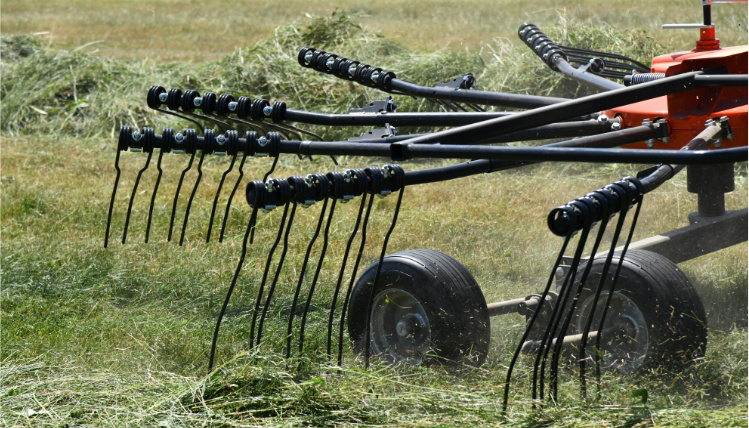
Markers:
<point>449,295</point>
<point>669,303</point>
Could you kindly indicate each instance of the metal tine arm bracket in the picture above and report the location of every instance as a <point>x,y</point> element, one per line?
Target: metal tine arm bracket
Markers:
<point>189,142</point>
<point>211,104</point>
<point>317,187</point>
<point>605,202</point>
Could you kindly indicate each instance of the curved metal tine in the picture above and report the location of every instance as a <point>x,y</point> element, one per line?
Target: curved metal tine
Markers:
<point>265,126</point>
<point>273,283</point>
<point>132,196</point>
<point>613,286</point>
<point>272,168</point>
<point>377,276</point>
<point>176,195</point>
<point>353,278</point>
<point>554,369</point>
<point>192,196</point>
<point>218,193</point>
<point>183,116</point>
<point>220,123</point>
<point>272,250</point>
<point>475,107</point>
<point>250,226</point>
<point>153,195</point>
<point>539,364</point>
<point>239,179</point>
<point>231,196</point>
<point>298,289</point>
<point>459,107</point>
<point>342,271</point>
<point>249,123</point>
<point>114,193</point>
<point>597,295</point>
<point>317,275</point>
<point>532,322</point>
<point>299,131</point>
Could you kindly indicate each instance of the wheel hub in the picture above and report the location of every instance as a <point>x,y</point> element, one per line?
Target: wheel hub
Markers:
<point>400,329</point>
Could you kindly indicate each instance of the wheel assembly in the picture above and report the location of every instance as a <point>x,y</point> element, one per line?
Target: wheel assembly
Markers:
<point>426,307</point>
<point>654,317</point>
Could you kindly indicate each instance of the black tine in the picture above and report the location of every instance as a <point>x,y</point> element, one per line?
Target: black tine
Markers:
<point>132,196</point>
<point>344,260</point>
<point>317,275</point>
<point>532,321</point>
<point>215,200</point>
<point>597,295</point>
<point>153,195</point>
<point>231,196</point>
<point>301,275</point>
<point>250,226</point>
<point>166,146</point>
<point>613,284</point>
<point>114,193</point>
<point>353,278</point>
<point>176,194</point>
<point>273,283</point>
<point>272,168</point>
<point>281,226</point>
<point>192,196</point>
<point>539,365</point>
<point>377,275</point>
<point>571,310</point>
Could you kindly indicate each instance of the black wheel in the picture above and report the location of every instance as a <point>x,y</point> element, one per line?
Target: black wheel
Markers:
<point>426,307</point>
<point>655,317</point>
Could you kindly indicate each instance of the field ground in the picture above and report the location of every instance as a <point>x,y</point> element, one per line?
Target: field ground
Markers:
<point>119,336</point>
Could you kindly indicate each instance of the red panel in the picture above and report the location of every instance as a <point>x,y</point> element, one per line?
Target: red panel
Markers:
<point>687,111</point>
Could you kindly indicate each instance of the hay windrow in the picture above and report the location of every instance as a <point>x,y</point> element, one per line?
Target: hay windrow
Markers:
<point>55,91</point>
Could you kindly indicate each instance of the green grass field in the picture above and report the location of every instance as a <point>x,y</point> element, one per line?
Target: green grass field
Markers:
<point>120,336</point>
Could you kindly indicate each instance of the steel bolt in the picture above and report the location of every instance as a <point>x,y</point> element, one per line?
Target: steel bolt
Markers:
<point>329,63</point>
<point>233,106</point>
<point>221,139</point>
<point>374,76</point>
<point>197,101</point>
<point>603,118</point>
<point>267,110</point>
<point>179,138</point>
<point>352,70</point>
<point>391,104</point>
<point>650,143</point>
<point>262,141</point>
<point>616,126</point>
<point>136,135</point>
<point>308,56</point>
<point>163,96</point>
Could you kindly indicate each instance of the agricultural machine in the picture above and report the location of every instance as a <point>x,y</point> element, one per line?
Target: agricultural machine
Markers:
<point>623,306</point>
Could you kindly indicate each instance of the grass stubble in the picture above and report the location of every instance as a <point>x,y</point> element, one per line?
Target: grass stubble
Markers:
<point>119,336</point>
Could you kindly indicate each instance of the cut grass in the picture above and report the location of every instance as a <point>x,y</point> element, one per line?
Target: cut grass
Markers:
<point>119,336</point>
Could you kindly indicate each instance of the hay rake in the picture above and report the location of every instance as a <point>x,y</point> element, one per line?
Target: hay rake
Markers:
<point>623,306</point>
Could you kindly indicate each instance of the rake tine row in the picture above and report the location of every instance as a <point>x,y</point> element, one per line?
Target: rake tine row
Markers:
<point>188,142</point>
<point>291,193</point>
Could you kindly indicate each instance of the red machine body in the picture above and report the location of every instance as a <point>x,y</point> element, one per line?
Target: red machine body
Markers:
<point>686,112</point>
